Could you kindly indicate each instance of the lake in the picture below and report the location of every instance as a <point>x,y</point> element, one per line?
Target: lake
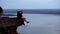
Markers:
<point>40,24</point>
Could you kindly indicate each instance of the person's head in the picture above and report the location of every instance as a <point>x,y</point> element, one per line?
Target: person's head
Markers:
<point>0,6</point>
<point>20,12</point>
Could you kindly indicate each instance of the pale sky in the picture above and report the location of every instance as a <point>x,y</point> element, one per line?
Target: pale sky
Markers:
<point>30,4</point>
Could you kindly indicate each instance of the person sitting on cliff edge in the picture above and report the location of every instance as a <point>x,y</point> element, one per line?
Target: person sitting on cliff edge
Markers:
<point>21,18</point>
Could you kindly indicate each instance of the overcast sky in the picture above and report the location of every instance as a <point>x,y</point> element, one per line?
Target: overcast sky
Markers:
<point>30,4</point>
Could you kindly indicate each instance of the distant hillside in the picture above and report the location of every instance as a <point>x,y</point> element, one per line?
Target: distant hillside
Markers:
<point>38,11</point>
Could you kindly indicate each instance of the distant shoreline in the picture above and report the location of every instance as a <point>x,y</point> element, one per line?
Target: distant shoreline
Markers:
<point>34,11</point>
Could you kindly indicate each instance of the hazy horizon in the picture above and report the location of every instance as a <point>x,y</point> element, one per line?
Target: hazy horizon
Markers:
<point>30,4</point>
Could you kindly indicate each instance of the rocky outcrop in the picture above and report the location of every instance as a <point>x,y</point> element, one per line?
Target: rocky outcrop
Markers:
<point>6,22</point>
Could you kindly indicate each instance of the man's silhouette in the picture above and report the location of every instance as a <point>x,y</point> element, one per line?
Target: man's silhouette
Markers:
<point>1,10</point>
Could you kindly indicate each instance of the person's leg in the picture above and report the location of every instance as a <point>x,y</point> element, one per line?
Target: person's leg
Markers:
<point>23,23</point>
